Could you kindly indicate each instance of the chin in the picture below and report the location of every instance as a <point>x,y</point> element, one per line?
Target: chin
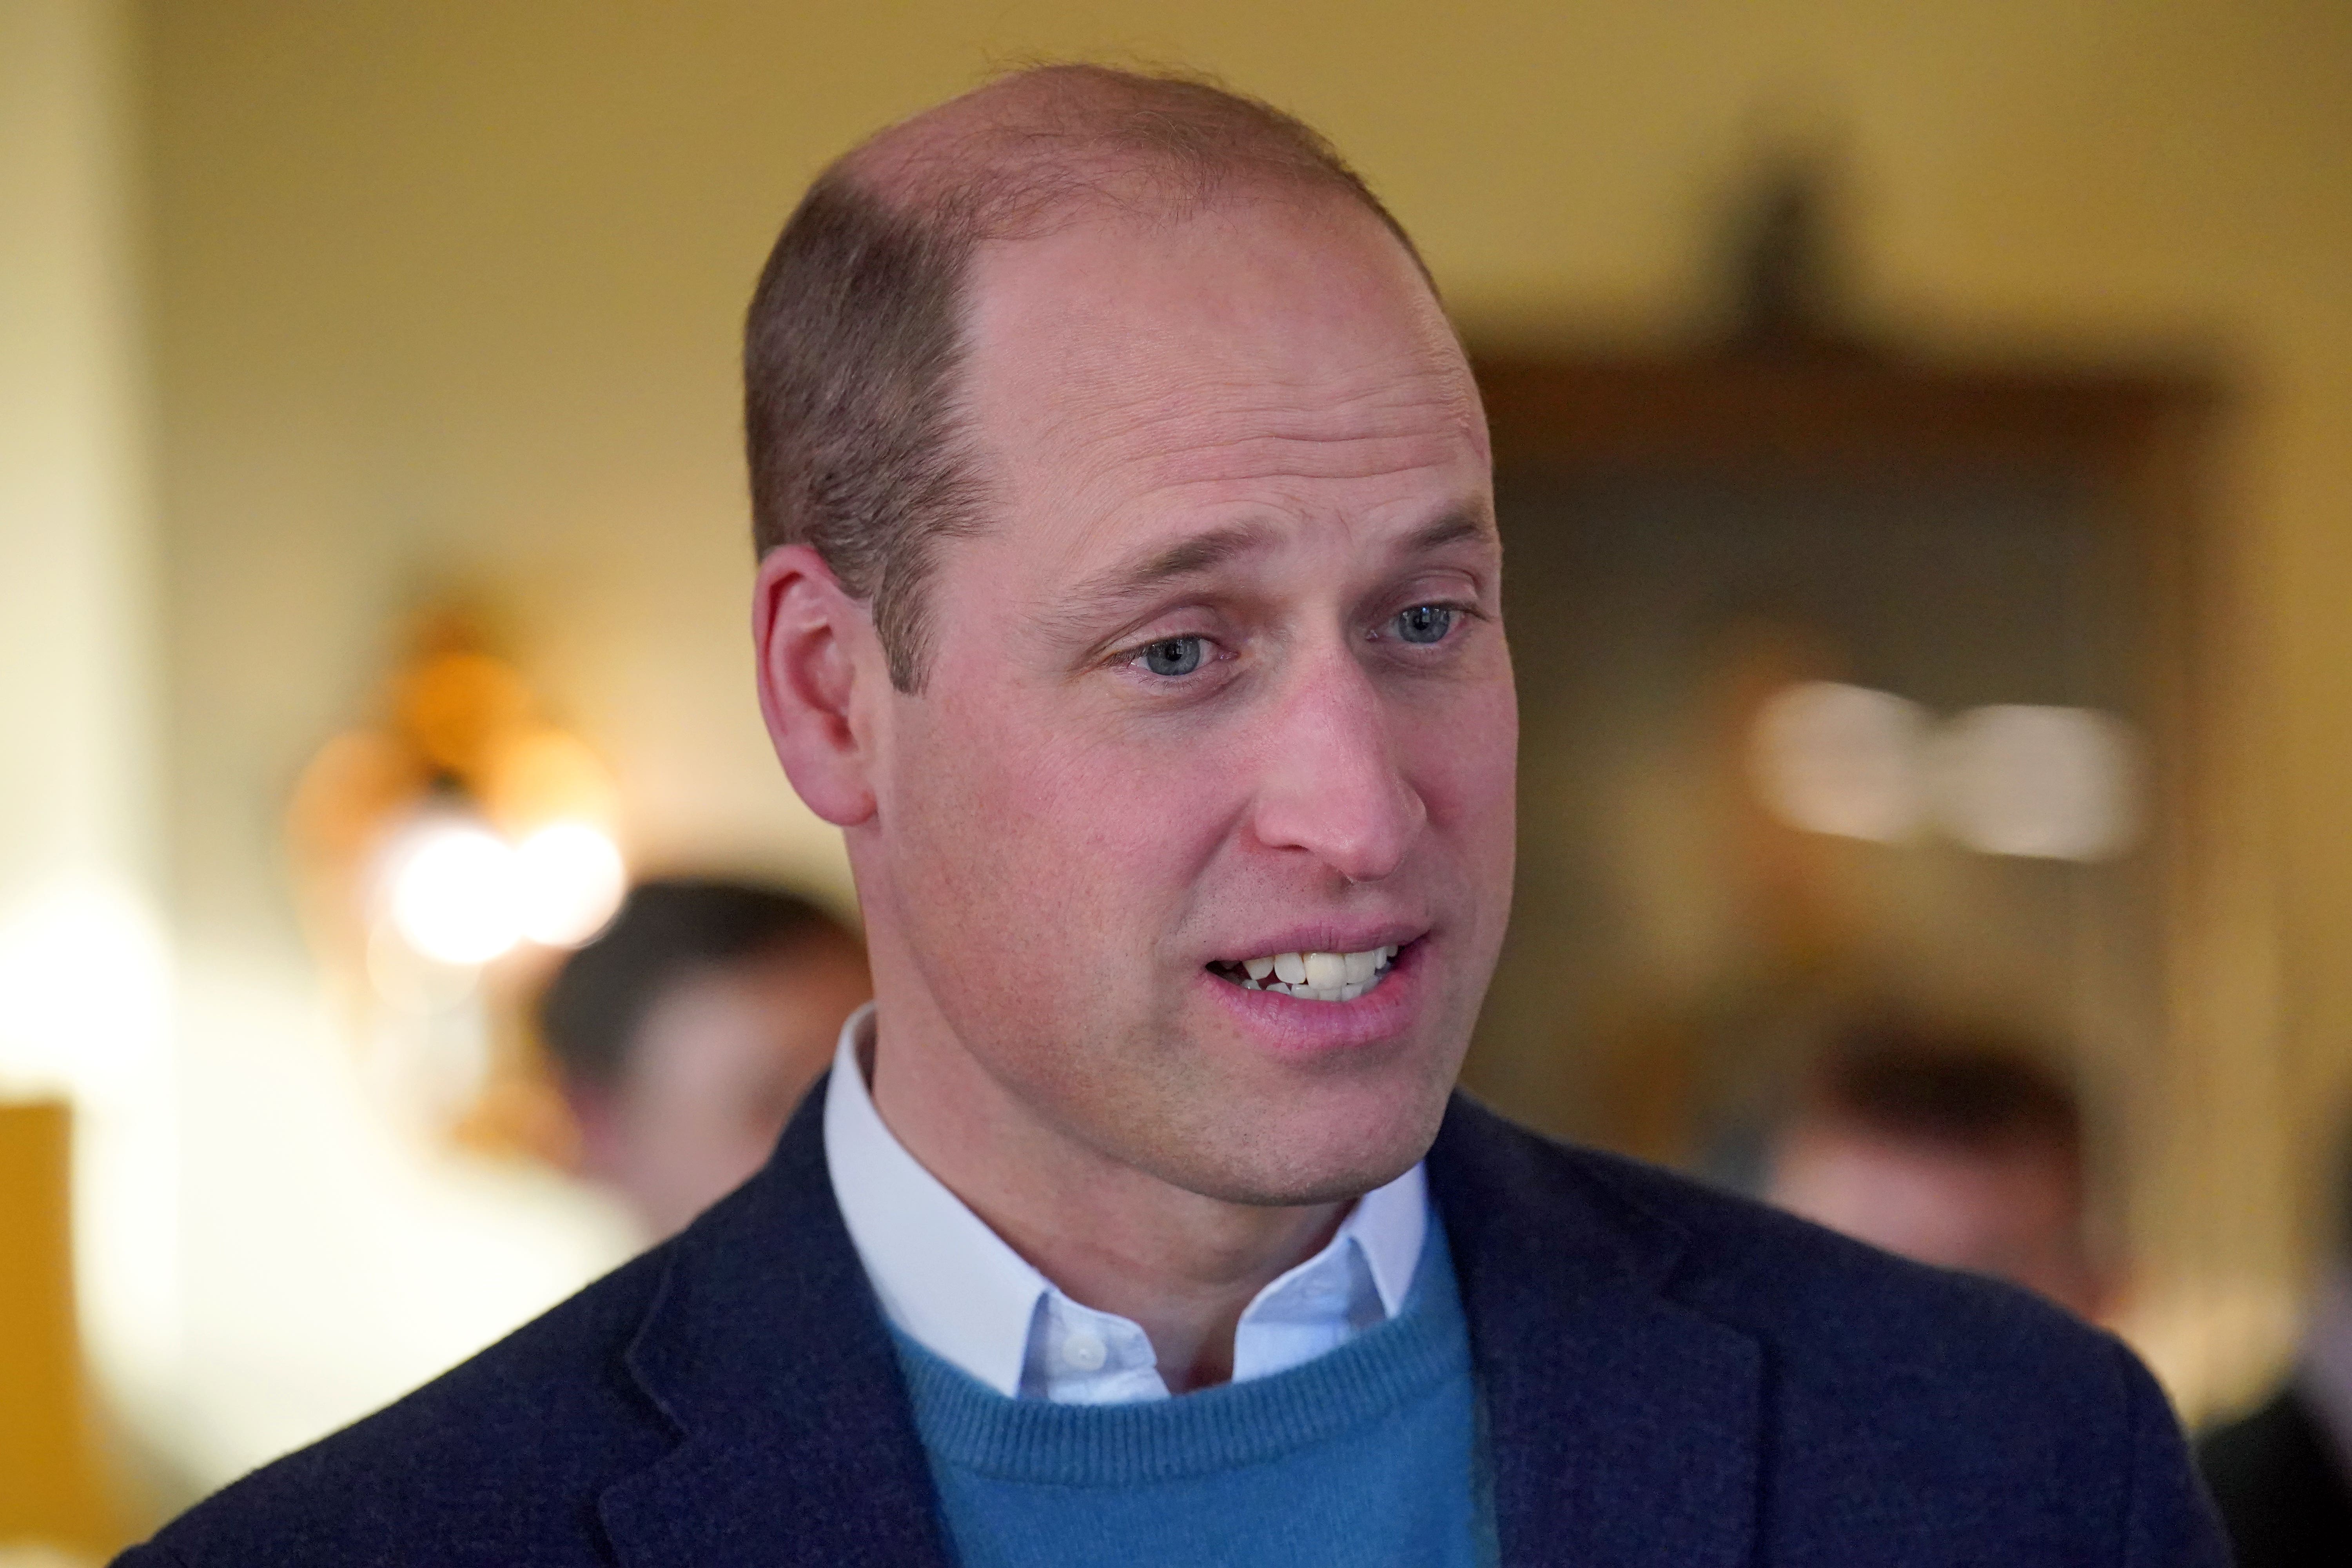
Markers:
<point>1316,1153</point>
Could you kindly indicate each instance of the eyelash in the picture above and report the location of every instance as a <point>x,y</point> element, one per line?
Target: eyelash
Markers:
<point>1211,653</point>
<point>1460,610</point>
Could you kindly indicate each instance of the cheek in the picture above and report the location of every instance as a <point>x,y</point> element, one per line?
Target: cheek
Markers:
<point>1463,760</point>
<point>1050,853</point>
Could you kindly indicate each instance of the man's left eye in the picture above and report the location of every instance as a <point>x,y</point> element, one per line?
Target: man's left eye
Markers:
<point>1424,623</point>
<point>1171,656</point>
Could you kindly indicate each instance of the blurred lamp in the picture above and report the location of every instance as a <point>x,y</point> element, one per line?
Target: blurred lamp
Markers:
<point>460,894</point>
<point>1843,760</point>
<point>442,850</point>
<point>569,881</point>
<point>454,896</point>
<point>2057,783</point>
<point>2043,783</point>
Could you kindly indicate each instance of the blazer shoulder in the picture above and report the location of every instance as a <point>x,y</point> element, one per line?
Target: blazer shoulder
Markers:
<point>1805,1290</point>
<point>1987,1407</point>
<point>495,1461</point>
<point>711,1402</point>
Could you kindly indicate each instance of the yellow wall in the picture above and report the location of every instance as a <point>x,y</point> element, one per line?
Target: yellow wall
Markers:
<point>50,1487</point>
<point>450,290</point>
<point>83,962</point>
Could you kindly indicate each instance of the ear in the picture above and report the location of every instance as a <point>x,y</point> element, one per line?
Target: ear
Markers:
<point>821,666</point>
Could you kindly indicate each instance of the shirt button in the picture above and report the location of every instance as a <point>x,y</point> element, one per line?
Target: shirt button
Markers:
<point>1084,1352</point>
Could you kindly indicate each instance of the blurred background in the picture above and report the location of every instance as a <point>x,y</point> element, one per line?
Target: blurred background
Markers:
<point>1924,441</point>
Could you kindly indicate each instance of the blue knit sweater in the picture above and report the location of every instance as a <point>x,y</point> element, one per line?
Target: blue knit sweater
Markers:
<point>1367,1455</point>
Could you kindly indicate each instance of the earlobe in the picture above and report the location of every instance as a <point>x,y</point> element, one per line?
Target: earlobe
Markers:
<point>814,661</point>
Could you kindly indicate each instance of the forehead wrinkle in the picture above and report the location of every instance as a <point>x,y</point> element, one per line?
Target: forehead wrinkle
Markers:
<point>1085,392</point>
<point>1289,478</point>
<point>1124,491</point>
<point>1277,459</point>
<point>1173,442</point>
<point>1132,384</point>
<point>1120,368</point>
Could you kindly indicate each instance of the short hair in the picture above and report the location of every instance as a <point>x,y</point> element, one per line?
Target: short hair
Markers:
<point>853,345</point>
<point>667,932</point>
<point>1974,1095</point>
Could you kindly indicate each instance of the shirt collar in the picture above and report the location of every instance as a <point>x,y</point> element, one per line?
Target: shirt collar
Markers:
<point>952,1286</point>
<point>945,1279</point>
<point>1390,1223</point>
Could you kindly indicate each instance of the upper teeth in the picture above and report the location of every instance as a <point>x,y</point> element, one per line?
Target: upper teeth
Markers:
<point>1320,977</point>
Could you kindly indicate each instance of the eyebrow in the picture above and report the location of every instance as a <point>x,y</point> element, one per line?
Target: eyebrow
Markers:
<point>1085,611</point>
<point>1206,552</point>
<point>1453,527</point>
<point>1186,558</point>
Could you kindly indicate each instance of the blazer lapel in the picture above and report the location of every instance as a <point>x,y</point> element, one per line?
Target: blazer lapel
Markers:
<point>1622,1426</point>
<point>766,1350</point>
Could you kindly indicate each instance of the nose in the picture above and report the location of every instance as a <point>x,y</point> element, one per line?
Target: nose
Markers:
<point>1331,784</point>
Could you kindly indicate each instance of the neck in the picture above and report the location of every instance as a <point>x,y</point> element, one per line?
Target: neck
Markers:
<point>1180,1265</point>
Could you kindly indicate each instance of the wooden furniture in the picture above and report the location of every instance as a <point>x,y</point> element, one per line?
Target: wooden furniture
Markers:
<point>52,1491</point>
<point>1681,534</point>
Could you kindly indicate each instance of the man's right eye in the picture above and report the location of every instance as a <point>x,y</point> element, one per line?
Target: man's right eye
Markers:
<point>1171,655</point>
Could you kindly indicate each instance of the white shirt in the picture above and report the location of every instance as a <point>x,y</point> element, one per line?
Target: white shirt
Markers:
<point>952,1286</point>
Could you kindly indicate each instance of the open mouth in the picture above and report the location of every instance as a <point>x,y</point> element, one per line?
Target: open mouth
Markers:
<point>1310,976</point>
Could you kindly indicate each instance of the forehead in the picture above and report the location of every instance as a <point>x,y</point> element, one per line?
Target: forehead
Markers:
<point>1268,349</point>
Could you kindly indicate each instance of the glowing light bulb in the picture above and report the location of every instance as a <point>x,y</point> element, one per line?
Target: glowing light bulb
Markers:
<point>457,893</point>
<point>569,881</point>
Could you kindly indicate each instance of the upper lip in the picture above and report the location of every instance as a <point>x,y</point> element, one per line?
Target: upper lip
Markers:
<point>1330,938</point>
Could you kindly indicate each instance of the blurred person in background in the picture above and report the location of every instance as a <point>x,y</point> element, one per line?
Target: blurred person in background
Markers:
<point>2282,1475</point>
<point>688,1029</point>
<point>1130,595</point>
<point>1954,1151</point>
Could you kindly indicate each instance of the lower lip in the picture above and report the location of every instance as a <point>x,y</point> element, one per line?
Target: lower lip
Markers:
<point>1295,1025</point>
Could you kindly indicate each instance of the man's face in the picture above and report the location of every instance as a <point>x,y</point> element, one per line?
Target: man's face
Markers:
<point>1223,679</point>
<point>715,1069</point>
<point>2013,1212</point>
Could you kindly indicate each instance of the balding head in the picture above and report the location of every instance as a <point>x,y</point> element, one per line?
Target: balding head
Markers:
<point>853,348</point>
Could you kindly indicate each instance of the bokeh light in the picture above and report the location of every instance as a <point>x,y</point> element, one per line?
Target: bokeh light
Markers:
<point>569,881</point>
<point>2058,783</point>
<point>2018,778</point>
<point>1843,760</point>
<point>459,895</point>
<point>456,895</point>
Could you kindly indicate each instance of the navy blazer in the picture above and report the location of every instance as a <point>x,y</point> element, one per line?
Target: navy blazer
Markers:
<point>1669,1376</point>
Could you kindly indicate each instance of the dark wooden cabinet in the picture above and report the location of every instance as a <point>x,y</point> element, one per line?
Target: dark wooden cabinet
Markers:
<point>1684,539</point>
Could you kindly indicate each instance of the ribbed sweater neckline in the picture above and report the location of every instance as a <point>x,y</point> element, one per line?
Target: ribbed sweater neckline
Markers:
<point>967,1424</point>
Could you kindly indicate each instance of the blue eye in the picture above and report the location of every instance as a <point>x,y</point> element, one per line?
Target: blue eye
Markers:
<point>1424,623</point>
<point>1171,656</point>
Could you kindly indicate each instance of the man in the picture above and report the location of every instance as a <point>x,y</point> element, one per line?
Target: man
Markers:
<point>1130,595</point>
<point>1959,1152</point>
<point>687,1030</point>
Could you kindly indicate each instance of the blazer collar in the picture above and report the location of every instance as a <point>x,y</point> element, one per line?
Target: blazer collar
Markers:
<point>766,1350</point>
<point>1622,1428</point>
